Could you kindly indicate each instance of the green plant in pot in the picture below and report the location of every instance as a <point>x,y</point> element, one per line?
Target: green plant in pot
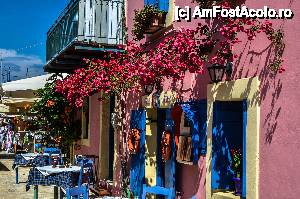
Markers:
<point>236,166</point>
<point>236,161</point>
<point>147,20</point>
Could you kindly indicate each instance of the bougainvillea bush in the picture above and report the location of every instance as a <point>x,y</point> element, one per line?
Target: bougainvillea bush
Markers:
<point>179,51</point>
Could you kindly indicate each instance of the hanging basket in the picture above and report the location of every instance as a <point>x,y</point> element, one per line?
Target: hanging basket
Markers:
<point>134,141</point>
<point>166,147</point>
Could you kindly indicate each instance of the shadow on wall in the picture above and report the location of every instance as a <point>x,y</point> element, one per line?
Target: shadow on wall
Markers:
<point>270,83</point>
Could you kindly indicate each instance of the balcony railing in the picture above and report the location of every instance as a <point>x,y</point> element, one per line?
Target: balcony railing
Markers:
<point>87,22</point>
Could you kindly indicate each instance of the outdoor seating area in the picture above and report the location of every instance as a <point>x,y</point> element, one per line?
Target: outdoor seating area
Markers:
<point>50,169</point>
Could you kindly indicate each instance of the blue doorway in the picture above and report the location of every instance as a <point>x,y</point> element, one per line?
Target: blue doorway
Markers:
<point>228,135</point>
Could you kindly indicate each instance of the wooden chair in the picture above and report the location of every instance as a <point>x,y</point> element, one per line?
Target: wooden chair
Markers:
<point>82,189</point>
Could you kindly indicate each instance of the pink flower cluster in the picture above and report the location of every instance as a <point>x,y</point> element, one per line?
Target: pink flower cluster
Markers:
<point>182,50</point>
<point>119,72</point>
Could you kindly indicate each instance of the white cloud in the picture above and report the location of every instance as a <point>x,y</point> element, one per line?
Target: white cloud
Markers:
<point>20,62</point>
<point>7,53</point>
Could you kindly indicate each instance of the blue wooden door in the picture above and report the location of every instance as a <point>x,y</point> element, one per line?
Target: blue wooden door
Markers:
<point>227,134</point>
<point>137,161</point>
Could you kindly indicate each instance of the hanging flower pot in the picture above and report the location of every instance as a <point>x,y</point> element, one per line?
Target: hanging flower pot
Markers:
<point>147,21</point>
<point>134,141</point>
<point>238,186</point>
<point>158,21</point>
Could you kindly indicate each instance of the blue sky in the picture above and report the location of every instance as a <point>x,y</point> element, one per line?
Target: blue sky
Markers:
<point>23,28</point>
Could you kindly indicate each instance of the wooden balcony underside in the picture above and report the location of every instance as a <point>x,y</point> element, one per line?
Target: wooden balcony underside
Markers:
<point>72,57</point>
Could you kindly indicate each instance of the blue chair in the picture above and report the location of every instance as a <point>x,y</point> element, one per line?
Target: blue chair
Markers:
<point>53,152</point>
<point>91,158</point>
<point>83,182</point>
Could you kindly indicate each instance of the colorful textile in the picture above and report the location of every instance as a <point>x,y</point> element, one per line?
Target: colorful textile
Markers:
<point>9,141</point>
<point>63,179</point>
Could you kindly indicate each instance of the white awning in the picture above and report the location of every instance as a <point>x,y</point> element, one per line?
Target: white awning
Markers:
<point>11,100</point>
<point>32,83</point>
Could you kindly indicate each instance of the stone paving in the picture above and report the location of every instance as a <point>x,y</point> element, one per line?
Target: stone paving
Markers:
<point>10,190</point>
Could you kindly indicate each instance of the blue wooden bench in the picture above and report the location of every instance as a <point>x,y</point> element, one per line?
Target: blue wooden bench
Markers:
<point>168,192</point>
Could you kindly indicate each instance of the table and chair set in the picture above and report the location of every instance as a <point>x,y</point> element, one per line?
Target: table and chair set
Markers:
<point>48,169</point>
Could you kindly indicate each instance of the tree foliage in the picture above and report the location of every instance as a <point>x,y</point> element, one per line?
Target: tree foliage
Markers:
<point>54,114</point>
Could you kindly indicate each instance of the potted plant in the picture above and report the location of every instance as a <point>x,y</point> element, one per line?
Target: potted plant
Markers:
<point>236,167</point>
<point>147,21</point>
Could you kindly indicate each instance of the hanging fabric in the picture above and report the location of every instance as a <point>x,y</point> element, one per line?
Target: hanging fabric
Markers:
<point>176,116</point>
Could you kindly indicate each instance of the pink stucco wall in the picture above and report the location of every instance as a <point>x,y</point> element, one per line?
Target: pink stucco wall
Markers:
<point>279,132</point>
<point>93,149</point>
<point>279,146</point>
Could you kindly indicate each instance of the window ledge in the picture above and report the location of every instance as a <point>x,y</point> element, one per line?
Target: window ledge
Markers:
<point>185,162</point>
<point>85,142</point>
<point>225,195</point>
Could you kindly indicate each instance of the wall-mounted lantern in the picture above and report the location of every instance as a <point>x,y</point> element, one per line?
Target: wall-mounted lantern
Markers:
<point>216,72</point>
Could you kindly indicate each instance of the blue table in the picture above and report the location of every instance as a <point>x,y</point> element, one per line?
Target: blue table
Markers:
<point>48,176</point>
<point>29,159</point>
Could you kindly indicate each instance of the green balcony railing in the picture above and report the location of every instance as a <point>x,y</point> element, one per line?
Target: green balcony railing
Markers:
<point>86,21</point>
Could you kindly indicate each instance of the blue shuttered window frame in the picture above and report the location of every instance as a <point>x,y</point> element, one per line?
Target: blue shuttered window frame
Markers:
<point>137,161</point>
<point>244,148</point>
<point>162,5</point>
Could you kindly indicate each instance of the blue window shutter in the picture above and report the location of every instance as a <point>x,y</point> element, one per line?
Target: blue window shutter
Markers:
<point>202,118</point>
<point>154,3</point>
<point>161,117</point>
<point>137,161</point>
<point>164,5</point>
<point>244,148</point>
